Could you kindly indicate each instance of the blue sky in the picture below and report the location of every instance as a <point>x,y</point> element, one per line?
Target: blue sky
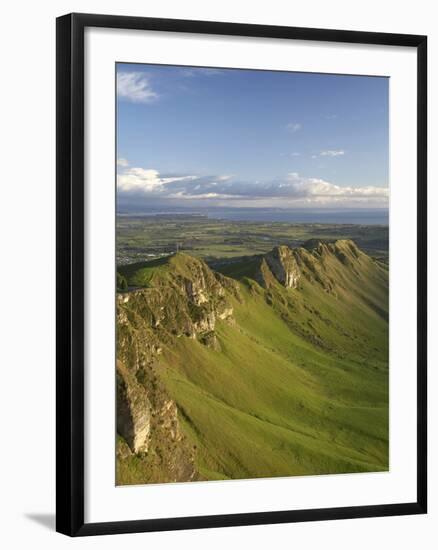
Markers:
<point>224,137</point>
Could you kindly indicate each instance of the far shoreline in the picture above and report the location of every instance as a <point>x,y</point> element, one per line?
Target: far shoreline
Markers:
<point>344,216</point>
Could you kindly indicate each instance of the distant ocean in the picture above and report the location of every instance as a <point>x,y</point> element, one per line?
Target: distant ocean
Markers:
<point>360,216</point>
<point>376,216</point>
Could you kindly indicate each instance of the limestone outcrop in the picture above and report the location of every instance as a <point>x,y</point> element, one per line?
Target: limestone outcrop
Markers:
<point>283,266</point>
<point>133,410</point>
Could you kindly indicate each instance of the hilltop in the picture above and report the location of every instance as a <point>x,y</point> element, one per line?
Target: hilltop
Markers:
<point>271,365</point>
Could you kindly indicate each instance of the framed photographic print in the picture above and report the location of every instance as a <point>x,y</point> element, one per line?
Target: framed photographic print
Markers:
<point>241,274</point>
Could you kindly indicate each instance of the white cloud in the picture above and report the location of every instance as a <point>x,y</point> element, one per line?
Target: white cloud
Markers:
<point>292,190</point>
<point>200,196</point>
<point>203,71</point>
<point>322,190</point>
<point>122,162</point>
<point>139,179</point>
<point>146,181</point>
<point>135,87</point>
<point>332,153</point>
<point>295,154</point>
<point>294,126</point>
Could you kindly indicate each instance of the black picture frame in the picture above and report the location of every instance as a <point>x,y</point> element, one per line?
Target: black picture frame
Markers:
<point>70,273</point>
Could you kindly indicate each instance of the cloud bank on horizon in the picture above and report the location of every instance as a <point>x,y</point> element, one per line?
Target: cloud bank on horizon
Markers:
<point>182,131</point>
<point>149,187</point>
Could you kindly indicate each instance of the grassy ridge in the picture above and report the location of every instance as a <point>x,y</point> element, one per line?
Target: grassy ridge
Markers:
<point>300,385</point>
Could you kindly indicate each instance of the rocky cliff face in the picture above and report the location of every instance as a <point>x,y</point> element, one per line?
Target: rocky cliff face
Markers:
<point>283,266</point>
<point>318,262</point>
<point>188,300</point>
<point>279,265</point>
<point>286,265</point>
<point>133,410</point>
<point>185,299</point>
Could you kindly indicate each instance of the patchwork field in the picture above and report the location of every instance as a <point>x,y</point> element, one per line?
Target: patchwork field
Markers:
<point>148,237</point>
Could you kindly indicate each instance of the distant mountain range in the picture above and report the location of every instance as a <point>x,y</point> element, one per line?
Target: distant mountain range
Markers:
<point>276,365</point>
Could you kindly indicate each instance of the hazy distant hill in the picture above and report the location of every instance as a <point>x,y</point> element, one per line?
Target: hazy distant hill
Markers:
<point>277,366</point>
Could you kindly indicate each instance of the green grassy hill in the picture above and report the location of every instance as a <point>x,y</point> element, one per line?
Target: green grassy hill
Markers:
<point>266,379</point>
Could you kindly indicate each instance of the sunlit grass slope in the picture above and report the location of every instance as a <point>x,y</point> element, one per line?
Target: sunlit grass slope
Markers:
<point>300,383</point>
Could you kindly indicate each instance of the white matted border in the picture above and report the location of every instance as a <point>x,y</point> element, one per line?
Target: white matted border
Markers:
<point>104,501</point>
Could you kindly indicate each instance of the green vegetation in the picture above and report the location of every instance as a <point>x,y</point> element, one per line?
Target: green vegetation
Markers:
<point>296,382</point>
<point>121,282</point>
<point>148,237</point>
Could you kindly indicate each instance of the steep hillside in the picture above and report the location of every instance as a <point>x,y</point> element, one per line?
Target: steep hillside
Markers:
<point>277,366</point>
